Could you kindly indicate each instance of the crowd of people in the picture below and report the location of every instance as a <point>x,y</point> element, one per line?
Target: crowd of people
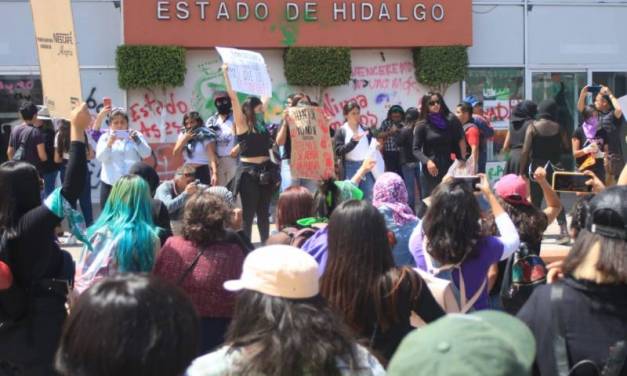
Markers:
<point>421,269</point>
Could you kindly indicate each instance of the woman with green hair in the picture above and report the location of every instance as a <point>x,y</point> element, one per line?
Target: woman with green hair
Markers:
<point>124,239</point>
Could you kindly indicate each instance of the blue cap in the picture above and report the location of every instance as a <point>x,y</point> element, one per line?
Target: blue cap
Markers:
<point>472,100</point>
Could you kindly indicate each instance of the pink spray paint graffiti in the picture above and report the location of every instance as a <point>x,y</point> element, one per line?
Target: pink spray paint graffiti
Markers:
<point>159,120</point>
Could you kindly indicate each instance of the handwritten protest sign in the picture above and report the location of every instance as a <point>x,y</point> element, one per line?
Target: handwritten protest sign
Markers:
<point>247,71</point>
<point>58,58</point>
<point>312,153</point>
<point>495,171</point>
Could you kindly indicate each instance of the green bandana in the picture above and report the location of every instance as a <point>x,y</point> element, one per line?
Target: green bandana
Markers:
<point>58,205</point>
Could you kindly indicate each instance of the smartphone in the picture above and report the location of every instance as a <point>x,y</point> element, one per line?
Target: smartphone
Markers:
<point>594,89</point>
<point>472,181</point>
<point>123,135</point>
<point>571,182</point>
<point>106,101</point>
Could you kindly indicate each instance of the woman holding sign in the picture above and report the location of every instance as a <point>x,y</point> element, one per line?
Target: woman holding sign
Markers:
<point>118,149</point>
<point>257,177</point>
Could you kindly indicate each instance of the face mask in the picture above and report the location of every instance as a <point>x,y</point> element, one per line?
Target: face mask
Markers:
<point>224,107</point>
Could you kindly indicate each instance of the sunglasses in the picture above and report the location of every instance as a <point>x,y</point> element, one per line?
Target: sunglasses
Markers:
<point>433,103</point>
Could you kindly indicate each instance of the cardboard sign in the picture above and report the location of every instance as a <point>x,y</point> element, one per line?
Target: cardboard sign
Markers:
<point>495,171</point>
<point>58,58</point>
<point>312,153</point>
<point>247,71</point>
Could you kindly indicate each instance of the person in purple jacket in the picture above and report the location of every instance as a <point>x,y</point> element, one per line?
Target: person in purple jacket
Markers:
<point>450,237</point>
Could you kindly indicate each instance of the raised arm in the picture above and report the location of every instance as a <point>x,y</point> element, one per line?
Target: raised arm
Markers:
<point>581,103</point>
<point>240,120</point>
<point>77,164</point>
<point>618,111</point>
<point>553,203</point>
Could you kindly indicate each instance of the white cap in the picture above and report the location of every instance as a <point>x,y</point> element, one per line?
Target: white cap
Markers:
<point>278,270</point>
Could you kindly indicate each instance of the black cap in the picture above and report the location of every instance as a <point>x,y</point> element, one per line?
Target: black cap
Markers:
<point>607,215</point>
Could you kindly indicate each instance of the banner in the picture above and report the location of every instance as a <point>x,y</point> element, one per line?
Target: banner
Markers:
<point>495,171</point>
<point>58,59</point>
<point>312,152</point>
<point>247,71</point>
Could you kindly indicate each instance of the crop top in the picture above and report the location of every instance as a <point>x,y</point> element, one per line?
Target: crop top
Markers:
<point>253,144</point>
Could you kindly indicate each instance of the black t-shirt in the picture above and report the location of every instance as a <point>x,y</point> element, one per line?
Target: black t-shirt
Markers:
<point>594,317</point>
<point>29,137</point>
<point>612,126</point>
<point>601,138</point>
<point>432,143</point>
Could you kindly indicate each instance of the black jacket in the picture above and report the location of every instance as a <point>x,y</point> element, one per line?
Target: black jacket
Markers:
<point>594,317</point>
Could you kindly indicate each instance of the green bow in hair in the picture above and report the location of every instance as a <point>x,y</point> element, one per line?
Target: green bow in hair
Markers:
<point>309,222</point>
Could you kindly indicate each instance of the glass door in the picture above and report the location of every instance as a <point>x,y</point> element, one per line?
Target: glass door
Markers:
<point>564,88</point>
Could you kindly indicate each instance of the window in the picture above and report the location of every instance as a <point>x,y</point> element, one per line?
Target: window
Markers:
<point>500,89</point>
<point>16,89</point>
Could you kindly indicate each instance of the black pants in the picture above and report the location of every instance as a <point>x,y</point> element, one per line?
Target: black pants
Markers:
<point>255,201</point>
<point>105,191</point>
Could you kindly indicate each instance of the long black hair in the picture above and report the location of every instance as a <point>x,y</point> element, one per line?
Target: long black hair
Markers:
<point>424,105</point>
<point>360,275</point>
<point>289,336</point>
<point>151,329</point>
<point>248,109</point>
<point>451,223</point>
<point>20,191</point>
<point>63,137</point>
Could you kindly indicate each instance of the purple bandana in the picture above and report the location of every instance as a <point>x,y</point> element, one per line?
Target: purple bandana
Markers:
<point>390,191</point>
<point>590,127</point>
<point>438,120</point>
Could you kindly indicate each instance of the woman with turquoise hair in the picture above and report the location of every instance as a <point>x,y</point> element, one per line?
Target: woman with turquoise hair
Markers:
<point>124,239</point>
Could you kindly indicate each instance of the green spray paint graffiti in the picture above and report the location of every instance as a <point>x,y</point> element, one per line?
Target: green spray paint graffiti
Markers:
<point>211,81</point>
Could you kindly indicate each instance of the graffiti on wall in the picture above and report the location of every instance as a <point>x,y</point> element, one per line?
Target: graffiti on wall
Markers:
<point>377,83</point>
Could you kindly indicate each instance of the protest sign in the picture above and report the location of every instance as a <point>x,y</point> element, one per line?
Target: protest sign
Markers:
<point>312,152</point>
<point>58,58</point>
<point>247,71</point>
<point>375,154</point>
<point>495,171</point>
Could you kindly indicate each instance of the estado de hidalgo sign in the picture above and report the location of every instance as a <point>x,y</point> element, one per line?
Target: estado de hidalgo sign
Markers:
<point>279,23</point>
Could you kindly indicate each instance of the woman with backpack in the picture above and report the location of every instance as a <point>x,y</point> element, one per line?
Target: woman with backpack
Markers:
<point>453,246</point>
<point>580,323</point>
<point>362,284</point>
<point>530,221</point>
<point>200,261</point>
<point>124,239</point>
<point>32,309</point>
<point>472,133</point>
<point>352,146</point>
<point>294,203</point>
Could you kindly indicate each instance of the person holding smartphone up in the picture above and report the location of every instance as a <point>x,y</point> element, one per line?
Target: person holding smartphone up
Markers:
<point>610,119</point>
<point>118,149</point>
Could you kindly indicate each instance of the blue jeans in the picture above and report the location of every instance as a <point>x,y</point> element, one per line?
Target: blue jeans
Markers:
<point>50,182</point>
<point>367,182</point>
<point>411,174</point>
<point>289,181</point>
<point>85,197</point>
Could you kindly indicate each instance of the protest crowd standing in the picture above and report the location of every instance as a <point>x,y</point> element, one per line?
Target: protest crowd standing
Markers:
<point>365,274</point>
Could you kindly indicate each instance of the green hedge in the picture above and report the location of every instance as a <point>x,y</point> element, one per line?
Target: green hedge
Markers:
<point>150,66</point>
<point>439,67</point>
<point>317,66</point>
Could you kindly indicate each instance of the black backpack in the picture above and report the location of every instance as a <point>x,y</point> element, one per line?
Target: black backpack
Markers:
<point>524,272</point>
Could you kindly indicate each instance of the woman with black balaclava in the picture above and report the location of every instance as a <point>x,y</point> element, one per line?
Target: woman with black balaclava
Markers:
<point>197,144</point>
<point>523,114</point>
<point>222,124</point>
